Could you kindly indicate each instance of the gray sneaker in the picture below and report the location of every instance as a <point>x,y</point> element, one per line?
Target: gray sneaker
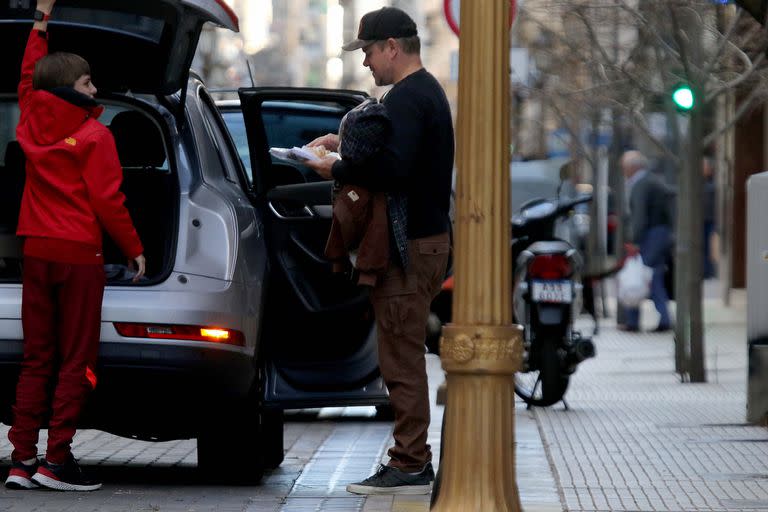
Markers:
<point>389,480</point>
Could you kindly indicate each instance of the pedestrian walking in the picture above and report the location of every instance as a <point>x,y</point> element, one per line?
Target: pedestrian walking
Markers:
<point>73,177</point>
<point>650,223</point>
<point>414,167</point>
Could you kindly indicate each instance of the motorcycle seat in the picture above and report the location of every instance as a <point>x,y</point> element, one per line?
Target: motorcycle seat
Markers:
<point>549,247</point>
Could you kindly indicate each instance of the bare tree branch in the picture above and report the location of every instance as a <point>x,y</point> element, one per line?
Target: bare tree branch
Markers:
<point>574,136</point>
<point>753,68</point>
<point>652,30</point>
<point>592,36</point>
<point>723,43</point>
<point>668,43</point>
<point>638,116</point>
<point>750,101</point>
<point>594,41</point>
<point>678,35</point>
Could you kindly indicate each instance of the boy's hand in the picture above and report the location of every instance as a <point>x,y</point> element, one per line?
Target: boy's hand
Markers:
<point>140,267</point>
<point>330,141</point>
<point>45,5</point>
<point>323,167</point>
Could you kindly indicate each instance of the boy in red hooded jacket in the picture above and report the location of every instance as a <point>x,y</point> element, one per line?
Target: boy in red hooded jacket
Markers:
<point>73,177</point>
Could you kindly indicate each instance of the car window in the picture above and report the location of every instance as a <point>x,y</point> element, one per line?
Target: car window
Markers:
<point>287,124</point>
<point>236,126</point>
<point>221,140</point>
<point>142,26</point>
<point>290,124</point>
<point>138,138</point>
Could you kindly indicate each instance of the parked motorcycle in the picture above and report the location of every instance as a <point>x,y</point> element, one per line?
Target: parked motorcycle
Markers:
<point>547,292</point>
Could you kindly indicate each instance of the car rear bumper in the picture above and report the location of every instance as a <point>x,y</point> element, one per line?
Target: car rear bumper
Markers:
<point>152,391</point>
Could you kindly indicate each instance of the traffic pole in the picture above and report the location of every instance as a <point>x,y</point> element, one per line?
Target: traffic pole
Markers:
<point>481,349</point>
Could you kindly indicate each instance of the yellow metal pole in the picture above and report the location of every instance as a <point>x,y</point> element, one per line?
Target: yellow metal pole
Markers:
<point>481,349</point>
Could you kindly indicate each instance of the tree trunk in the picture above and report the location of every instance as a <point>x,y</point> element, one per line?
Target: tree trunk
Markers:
<point>689,330</point>
<point>690,225</point>
<point>692,222</point>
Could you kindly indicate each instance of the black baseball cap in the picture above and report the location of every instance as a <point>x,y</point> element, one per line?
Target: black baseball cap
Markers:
<point>381,25</point>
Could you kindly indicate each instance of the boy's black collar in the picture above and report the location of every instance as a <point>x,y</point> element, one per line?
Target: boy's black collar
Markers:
<point>74,97</point>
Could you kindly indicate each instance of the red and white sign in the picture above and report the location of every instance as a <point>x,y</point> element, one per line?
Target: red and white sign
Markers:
<point>452,9</point>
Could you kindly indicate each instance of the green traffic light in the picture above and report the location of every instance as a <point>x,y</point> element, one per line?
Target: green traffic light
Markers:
<point>683,97</point>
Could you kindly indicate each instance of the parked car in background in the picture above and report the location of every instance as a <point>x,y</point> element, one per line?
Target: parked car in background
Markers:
<point>239,316</point>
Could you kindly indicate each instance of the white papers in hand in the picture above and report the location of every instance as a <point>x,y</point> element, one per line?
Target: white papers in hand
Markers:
<point>297,154</point>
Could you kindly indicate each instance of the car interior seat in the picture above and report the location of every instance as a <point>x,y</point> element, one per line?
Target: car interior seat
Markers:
<point>147,187</point>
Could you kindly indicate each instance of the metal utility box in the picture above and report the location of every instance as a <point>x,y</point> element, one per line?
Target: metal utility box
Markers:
<point>757,297</point>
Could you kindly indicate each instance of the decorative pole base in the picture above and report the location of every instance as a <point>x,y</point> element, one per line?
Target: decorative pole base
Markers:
<point>478,465</point>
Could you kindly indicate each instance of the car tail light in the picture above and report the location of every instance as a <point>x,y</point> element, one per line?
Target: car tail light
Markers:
<point>180,332</point>
<point>549,266</point>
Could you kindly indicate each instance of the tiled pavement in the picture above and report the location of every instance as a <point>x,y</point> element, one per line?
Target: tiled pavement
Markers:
<point>327,449</point>
<point>633,439</point>
<point>636,439</point>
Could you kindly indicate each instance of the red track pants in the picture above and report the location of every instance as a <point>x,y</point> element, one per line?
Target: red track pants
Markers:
<point>61,317</point>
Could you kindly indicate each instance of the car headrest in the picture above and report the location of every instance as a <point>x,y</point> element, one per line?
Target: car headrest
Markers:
<point>138,140</point>
<point>14,156</point>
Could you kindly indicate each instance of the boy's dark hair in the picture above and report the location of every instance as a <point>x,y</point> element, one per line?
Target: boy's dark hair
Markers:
<point>59,69</point>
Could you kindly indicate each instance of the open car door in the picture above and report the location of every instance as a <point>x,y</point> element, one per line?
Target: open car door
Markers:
<point>318,333</point>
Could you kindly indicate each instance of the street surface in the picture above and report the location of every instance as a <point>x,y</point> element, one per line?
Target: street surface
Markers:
<point>633,439</point>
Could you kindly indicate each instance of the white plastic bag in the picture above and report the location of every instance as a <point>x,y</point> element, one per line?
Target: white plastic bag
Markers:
<point>634,281</point>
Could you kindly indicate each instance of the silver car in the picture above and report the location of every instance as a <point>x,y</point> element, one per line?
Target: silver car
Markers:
<point>240,316</point>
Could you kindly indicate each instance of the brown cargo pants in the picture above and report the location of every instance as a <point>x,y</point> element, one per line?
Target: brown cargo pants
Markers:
<point>401,301</point>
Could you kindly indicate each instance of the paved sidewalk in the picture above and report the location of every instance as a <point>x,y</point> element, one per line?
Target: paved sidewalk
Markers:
<point>636,439</point>
<point>535,477</point>
<point>633,439</point>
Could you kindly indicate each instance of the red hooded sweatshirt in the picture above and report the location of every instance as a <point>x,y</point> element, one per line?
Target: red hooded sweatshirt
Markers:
<point>73,175</point>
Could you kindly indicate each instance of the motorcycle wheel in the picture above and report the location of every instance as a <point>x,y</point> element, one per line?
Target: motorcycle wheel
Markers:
<point>545,385</point>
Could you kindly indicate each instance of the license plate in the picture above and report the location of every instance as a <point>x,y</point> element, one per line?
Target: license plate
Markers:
<point>560,292</point>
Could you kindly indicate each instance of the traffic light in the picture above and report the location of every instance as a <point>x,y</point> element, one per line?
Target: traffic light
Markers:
<point>683,97</point>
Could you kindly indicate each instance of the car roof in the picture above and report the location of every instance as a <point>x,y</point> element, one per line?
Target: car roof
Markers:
<point>534,179</point>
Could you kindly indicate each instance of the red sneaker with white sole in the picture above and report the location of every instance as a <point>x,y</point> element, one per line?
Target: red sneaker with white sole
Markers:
<point>20,476</point>
<point>64,477</point>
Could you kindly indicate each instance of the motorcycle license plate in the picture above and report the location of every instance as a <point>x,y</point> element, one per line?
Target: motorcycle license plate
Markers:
<point>559,292</point>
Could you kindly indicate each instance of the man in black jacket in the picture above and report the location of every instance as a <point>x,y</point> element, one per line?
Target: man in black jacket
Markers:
<point>413,167</point>
<point>650,231</point>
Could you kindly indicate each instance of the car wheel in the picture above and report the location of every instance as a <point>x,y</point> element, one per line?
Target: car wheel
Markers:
<point>272,428</point>
<point>231,449</point>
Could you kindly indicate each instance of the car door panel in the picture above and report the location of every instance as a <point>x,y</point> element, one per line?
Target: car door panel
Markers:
<point>300,201</point>
<point>319,330</point>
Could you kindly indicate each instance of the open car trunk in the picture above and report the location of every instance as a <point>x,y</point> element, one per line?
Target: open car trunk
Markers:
<point>149,184</point>
<point>141,46</point>
<point>145,46</point>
